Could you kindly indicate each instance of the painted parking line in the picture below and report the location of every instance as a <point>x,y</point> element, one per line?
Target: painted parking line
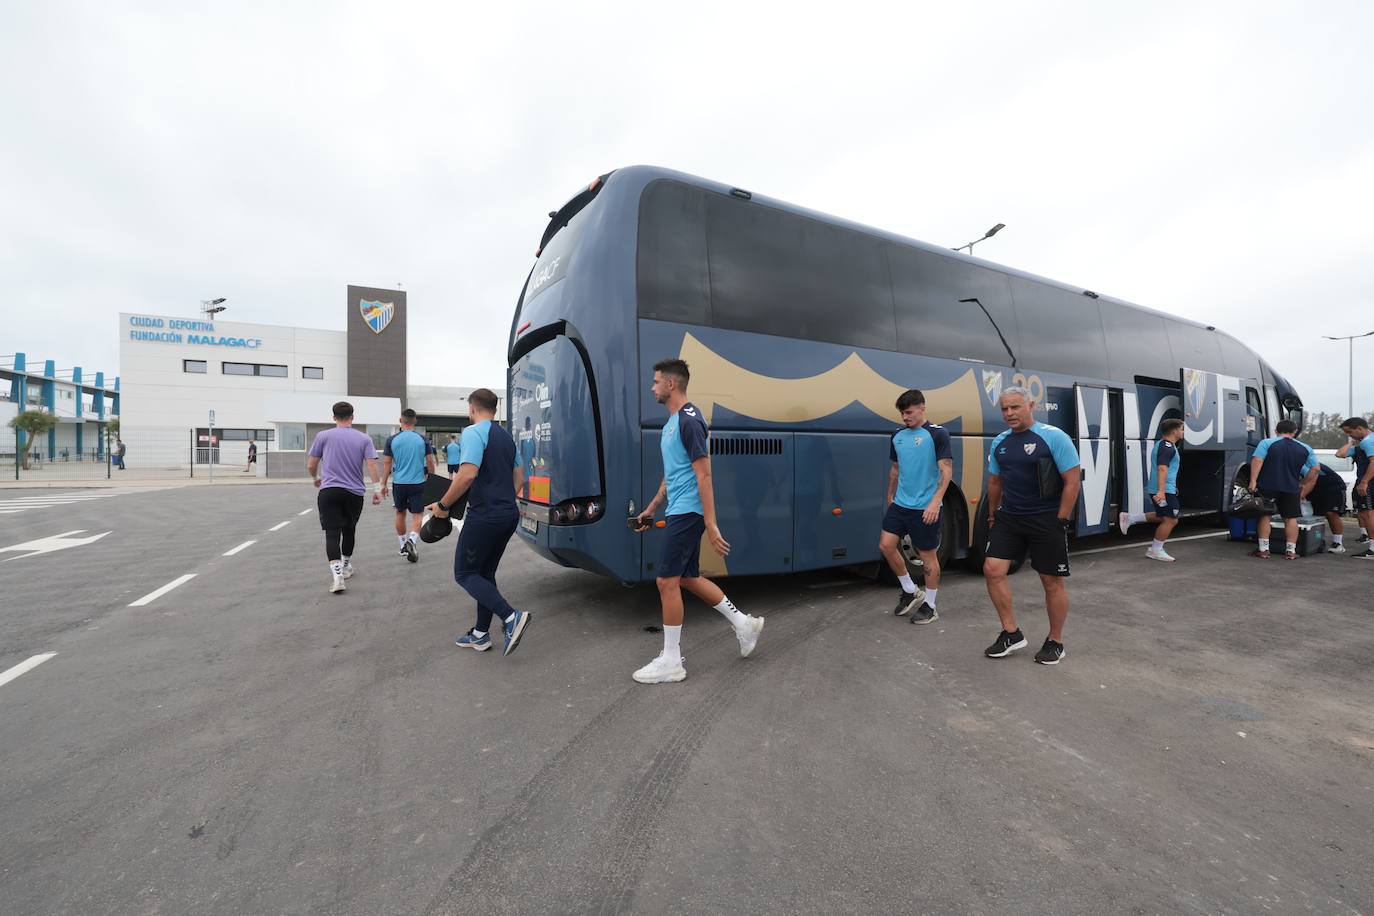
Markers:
<point>154,595</point>
<point>244,545</point>
<point>280,525</point>
<point>305,511</point>
<point>24,667</point>
<point>1191,537</point>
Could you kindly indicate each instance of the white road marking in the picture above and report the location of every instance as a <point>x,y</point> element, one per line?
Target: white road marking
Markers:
<point>1191,537</point>
<point>245,544</point>
<point>280,525</point>
<point>51,501</point>
<point>24,667</point>
<point>305,511</point>
<point>154,595</point>
<point>48,545</point>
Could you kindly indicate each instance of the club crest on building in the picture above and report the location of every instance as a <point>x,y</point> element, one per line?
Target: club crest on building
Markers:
<point>992,385</point>
<point>377,315</point>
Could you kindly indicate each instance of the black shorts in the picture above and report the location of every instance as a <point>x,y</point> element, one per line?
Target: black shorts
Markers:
<point>1041,536</point>
<point>339,508</point>
<point>1289,505</point>
<point>1328,498</point>
<point>1168,510</point>
<point>900,520</point>
<point>681,554</point>
<point>408,496</point>
<point>453,469</point>
<point>1363,503</point>
<point>252,459</point>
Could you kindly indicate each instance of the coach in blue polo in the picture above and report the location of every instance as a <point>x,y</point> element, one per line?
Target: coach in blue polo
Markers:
<point>1277,469</point>
<point>1033,485</point>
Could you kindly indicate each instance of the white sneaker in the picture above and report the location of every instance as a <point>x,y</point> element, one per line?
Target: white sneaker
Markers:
<point>348,569</point>
<point>661,671</point>
<point>1336,548</point>
<point>337,585</point>
<point>748,635</point>
<point>1124,522</point>
<point>1159,554</point>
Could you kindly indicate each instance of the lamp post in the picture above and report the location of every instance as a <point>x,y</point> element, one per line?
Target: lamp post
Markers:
<point>986,235</point>
<point>1351,340</point>
<point>211,307</point>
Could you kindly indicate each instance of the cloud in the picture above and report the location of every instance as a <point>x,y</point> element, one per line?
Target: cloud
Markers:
<point>1209,161</point>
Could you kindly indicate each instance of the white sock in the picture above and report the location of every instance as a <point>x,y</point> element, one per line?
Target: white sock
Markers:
<point>1337,539</point>
<point>348,561</point>
<point>1290,547</point>
<point>672,644</point>
<point>336,567</point>
<point>400,540</point>
<point>731,612</point>
<point>1363,533</point>
<point>907,585</point>
<point>1137,518</point>
<point>1156,544</point>
<point>1263,543</point>
<point>930,596</point>
<point>413,536</point>
<point>478,633</point>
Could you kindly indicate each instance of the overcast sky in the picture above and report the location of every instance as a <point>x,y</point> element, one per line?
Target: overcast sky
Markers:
<point>1212,160</point>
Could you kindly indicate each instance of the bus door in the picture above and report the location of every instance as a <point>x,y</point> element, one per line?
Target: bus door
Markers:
<point>1100,453</point>
<point>1215,438</point>
<point>1256,427</point>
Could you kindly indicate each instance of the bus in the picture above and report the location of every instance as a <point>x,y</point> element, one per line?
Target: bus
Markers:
<point>800,330</point>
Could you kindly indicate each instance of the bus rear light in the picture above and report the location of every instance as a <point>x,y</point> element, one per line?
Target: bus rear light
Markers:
<point>837,511</point>
<point>577,511</point>
<point>593,509</point>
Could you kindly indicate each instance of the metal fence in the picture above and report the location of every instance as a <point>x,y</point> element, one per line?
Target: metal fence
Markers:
<point>160,454</point>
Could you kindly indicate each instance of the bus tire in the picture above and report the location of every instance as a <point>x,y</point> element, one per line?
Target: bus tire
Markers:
<point>980,539</point>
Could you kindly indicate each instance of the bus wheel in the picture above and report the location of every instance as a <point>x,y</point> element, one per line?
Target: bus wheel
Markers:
<point>980,539</point>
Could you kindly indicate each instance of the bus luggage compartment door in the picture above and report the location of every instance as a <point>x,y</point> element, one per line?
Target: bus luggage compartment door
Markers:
<point>751,474</point>
<point>838,506</point>
<point>1097,431</point>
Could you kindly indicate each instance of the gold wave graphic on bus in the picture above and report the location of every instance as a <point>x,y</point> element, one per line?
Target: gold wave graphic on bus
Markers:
<point>716,381</point>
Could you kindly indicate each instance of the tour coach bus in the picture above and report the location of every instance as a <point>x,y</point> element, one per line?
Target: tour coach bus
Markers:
<point>801,330</point>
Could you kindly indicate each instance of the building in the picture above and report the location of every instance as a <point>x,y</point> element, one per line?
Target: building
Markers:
<point>199,388</point>
<point>83,403</point>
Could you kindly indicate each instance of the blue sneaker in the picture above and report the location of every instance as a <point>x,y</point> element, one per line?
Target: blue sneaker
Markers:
<point>469,641</point>
<point>515,628</point>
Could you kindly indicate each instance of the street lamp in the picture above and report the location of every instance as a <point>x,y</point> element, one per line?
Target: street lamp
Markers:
<point>212,307</point>
<point>987,235</point>
<point>1351,340</point>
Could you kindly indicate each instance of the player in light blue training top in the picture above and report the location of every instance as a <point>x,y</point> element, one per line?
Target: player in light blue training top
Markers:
<point>408,459</point>
<point>686,486</point>
<point>922,467</point>
<point>1162,488</point>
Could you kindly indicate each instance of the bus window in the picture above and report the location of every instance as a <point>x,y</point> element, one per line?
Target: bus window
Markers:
<point>1061,331</point>
<point>779,273</point>
<point>1136,344</point>
<point>672,281</point>
<point>1194,347</point>
<point>935,316</point>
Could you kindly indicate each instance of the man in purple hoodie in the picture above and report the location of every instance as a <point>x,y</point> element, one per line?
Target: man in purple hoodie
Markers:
<point>336,465</point>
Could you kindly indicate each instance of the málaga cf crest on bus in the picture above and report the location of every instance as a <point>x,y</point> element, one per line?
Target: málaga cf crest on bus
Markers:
<point>377,315</point>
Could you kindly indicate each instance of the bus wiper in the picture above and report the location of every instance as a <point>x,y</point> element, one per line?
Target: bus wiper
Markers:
<point>995,328</point>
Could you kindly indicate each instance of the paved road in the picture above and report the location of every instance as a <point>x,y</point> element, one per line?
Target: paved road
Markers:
<point>248,743</point>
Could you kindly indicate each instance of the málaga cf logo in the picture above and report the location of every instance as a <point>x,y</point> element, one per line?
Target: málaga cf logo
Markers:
<point>992,385</point>
<point>377,315</point>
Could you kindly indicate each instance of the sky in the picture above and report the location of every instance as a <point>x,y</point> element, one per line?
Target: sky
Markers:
<point>1211,160</point>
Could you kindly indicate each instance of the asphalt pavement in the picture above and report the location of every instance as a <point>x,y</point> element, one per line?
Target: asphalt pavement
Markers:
<point>246,742</point>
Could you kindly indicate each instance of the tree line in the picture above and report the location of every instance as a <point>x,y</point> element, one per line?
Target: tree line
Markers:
<point>1323,430</point>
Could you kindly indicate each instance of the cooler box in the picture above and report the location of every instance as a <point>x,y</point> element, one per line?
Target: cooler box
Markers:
<point>1244,529</point>
<point>1311,536</point>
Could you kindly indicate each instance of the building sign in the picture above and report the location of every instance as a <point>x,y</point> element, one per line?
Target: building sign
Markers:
<point>188,331</point>
<point>376,323</point>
